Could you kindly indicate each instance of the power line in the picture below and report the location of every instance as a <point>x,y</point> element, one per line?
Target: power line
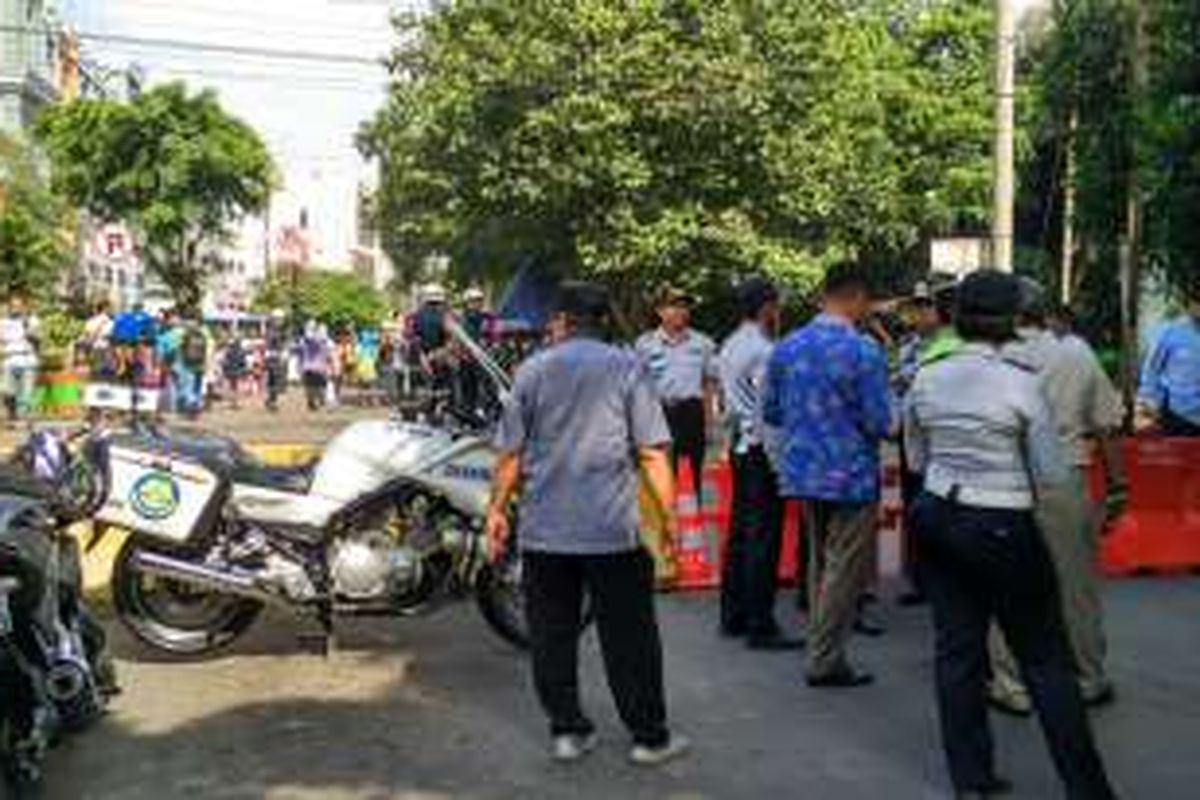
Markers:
<point>211,47</point>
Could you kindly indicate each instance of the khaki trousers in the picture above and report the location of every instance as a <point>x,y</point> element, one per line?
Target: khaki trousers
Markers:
<point>841,545</point>
<point>1070,525</point>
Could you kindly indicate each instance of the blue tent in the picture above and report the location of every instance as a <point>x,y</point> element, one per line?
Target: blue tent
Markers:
<point>530,296</point>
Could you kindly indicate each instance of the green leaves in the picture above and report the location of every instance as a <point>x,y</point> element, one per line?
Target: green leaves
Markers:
<point>671,140</point>
<point>339,299</point>
<point>173,165</point>
<point>34,226</point>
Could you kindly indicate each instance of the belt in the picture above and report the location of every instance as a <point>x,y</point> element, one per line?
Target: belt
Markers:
<point>681,401</point>
<point>1013,499</point>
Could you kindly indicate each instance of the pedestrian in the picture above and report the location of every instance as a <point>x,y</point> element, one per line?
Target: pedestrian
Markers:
<point>826,409</point>
<point>234,367</point>
<point>750,573</point>
<point>1169,395</point>
<point>982,432</point>
<point>97,341</point>
<point>20,331</point>
<point>1087,413</point>
<point>931,309</point>
<point>682,363</point>
<point>275,359</point>
<point>315,357</point>
<point>191,364</point>
<point>581,420</point>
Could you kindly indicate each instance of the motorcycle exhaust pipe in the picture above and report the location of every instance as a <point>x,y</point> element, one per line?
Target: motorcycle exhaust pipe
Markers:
<point>217,580</point>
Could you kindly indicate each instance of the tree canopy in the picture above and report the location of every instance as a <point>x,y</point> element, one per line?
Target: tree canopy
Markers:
<point>683,140</point>
<point>173,165</point>
<point>339,299</point>
<point>34,225</point>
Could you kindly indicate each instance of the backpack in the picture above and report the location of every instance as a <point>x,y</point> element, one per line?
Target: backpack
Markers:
<point>193,349</point>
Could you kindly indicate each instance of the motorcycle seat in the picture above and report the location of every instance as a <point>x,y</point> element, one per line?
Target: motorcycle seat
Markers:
<point>295,479</point>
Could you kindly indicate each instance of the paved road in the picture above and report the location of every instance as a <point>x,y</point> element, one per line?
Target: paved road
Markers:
<point>437,709</point>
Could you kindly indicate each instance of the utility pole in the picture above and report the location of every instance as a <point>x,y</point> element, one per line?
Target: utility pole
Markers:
<point>1004,182</point>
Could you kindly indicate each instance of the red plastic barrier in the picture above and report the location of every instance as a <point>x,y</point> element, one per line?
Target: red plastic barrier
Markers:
<point>1161,531</point>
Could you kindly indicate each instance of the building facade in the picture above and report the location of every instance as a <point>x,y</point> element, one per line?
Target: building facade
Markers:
<point>28,62</point>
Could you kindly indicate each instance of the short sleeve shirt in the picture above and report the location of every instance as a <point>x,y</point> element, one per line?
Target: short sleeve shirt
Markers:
<point>1082,399</point>
<point>678,367</point>
<point>577,415</point>
<point>743,366</point>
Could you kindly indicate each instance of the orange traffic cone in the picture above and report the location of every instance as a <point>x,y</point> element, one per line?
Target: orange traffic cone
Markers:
<point>697,566</point>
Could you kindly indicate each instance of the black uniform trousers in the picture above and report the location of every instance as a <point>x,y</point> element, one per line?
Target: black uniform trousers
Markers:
<point>749,576</point>
<point>620,587</point>
<point>685,419</point>
<point>983,564</point>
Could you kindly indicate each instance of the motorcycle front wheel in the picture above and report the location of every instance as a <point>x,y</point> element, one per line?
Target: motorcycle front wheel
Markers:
<point>173,616</point>
<point>500,596</point>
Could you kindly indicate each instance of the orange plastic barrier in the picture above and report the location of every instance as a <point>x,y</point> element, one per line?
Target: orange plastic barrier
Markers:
<point>1161,531</point>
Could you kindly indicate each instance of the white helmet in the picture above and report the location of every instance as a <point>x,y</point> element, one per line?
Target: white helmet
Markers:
<point>433,293</point>
<point>474,294</point>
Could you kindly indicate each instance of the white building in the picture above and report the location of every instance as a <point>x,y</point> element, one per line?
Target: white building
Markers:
<point>28,62</point>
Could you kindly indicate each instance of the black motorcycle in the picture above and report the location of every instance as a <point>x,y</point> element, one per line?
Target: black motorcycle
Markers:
<point>55,673</point>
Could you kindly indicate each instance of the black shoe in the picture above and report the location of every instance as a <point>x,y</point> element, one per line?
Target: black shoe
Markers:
<point>1105,697</point>
<point>776,643</point>
<point>996,787</point>
<point>846,678</point>
<point>732,631</point>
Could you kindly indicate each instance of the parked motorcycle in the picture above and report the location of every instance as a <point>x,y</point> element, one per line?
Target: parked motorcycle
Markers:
<point>388,522</point>
<point>55,673</point>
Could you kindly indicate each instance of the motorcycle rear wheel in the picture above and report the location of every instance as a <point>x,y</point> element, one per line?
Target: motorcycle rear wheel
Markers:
<point>173,617</point>
<point>500,596</point>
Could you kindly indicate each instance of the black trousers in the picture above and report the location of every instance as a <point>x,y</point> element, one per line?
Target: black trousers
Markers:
<point>686,422</point>
<point>911,486</point>
<point>621,589</point>
<point>749,576</point>
<point>984,564</point>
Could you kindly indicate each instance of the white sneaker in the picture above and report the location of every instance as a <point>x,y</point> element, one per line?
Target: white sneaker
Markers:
<point>675,747</point>
<point>573,746</point>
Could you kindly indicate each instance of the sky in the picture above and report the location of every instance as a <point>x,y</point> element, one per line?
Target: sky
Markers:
<point>306,111</point>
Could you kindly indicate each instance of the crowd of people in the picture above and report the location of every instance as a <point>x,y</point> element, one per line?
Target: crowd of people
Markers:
<point>998,410</point>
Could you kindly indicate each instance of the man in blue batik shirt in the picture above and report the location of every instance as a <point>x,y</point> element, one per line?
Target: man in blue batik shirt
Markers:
<point>826,408</point>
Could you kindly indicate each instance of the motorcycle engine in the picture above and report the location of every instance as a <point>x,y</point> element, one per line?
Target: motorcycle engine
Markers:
<point>369,565</point>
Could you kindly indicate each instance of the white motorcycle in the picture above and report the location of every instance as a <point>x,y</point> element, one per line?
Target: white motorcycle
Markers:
<point>389,521</point>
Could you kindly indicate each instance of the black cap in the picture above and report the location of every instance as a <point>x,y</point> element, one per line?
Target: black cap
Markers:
<point>988,303</point>
<point>989,293</point>
<point>754,293</point>
<point>586,303</point>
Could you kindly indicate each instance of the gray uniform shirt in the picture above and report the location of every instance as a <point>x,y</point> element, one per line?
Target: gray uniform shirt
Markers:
<point>678,367</point>
<point>1082,399</point>
<point>981,423</point>
<point>577,415</point>
<point>743,366</point>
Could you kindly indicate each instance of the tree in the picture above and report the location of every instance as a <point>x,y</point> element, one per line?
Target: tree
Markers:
<point>34,241</point>
<point>338,299</point>
<point>682,140</point>
<point>173,165</point>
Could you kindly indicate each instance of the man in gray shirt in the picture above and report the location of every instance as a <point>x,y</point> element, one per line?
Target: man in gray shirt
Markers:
<point>1087,412</point>
<point>582,418</point>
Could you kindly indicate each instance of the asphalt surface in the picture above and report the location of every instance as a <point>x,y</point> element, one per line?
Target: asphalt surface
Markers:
<point>439,709</point>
